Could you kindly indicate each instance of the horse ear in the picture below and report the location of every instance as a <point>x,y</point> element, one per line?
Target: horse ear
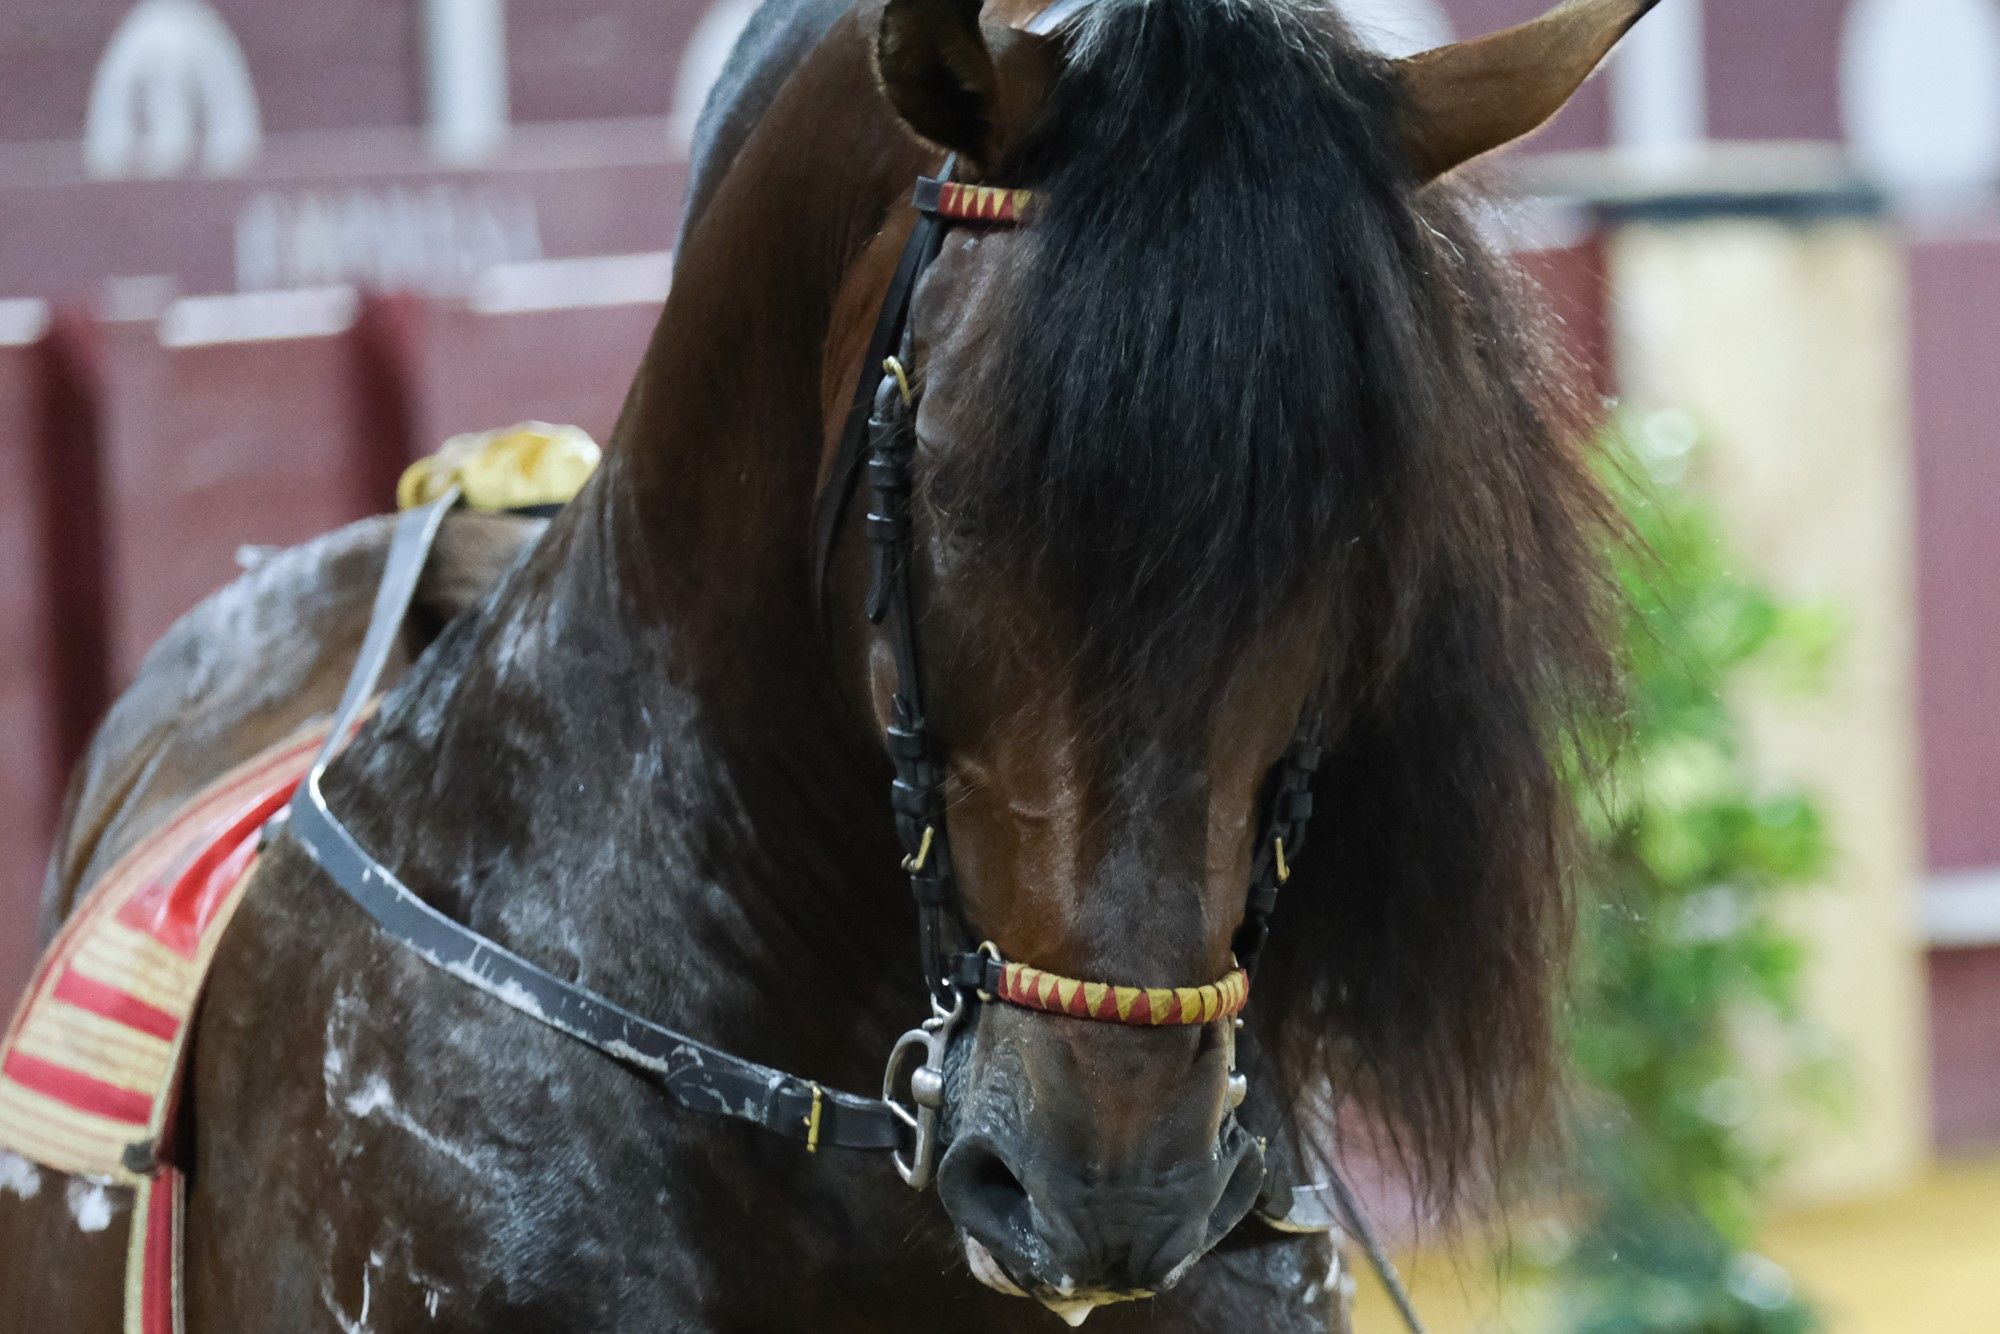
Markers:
<point>1464,100</point>
<point>971,88</point>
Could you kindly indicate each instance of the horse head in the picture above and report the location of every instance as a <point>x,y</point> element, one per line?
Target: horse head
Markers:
<point>1232,438</point>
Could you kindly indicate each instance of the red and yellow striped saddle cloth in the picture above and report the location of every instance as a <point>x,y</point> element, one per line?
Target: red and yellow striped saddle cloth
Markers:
<point>90,1067</point>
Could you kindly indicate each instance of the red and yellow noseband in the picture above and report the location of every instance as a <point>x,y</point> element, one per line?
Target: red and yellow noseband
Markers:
<point>1105,1002</point>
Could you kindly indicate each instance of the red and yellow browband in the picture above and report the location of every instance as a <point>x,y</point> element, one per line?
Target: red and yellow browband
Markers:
<point>1033,989</point>
<point>973,203</point>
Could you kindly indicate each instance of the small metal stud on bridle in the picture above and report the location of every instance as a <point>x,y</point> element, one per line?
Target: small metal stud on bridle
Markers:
<point>915,861</point>
<point>894,366</point>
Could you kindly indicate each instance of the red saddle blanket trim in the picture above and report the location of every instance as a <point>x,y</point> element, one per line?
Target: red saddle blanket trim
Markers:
<point>123,1007</point>
<point>90,1063</point>
<point>177,911</point>
<point>153,1302</point>
<point>73,1088</point>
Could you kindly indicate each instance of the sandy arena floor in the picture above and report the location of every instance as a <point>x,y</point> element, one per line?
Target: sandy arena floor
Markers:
<point>1926,1261</point>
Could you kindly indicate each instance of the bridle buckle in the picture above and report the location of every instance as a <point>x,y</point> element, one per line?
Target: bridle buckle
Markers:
<point>920,1116</point>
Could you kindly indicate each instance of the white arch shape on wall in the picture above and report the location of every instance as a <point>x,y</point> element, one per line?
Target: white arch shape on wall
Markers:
<point>172,92</point>
<point>1398,27</point>
<point>1920,92</point>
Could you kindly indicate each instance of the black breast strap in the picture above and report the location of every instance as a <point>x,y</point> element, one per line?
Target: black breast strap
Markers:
<point>698,1076</point>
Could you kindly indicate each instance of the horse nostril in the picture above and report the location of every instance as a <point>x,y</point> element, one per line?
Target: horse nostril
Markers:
<point>1138,1234</point>
<point>987,1197</point>
<point>989,1202</point>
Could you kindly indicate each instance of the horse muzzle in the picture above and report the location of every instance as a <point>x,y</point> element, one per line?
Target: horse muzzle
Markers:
<point>1088,1165</point>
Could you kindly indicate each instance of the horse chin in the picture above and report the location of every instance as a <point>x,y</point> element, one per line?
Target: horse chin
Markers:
<point>1074,1309</point>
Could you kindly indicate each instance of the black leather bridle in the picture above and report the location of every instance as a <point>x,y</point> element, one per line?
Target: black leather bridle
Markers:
<point>880,430</point>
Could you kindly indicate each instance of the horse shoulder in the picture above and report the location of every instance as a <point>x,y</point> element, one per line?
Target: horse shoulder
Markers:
<point>245,668</point>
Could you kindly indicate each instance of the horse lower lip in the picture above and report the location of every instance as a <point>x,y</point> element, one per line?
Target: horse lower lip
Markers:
<point>988,1271</point>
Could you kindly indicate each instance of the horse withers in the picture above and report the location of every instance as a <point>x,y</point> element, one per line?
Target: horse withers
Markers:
<point>1213,475</point>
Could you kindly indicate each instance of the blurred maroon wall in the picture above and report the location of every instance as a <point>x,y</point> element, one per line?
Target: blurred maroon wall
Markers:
<point>1955,329</point>
<point>29,670</point>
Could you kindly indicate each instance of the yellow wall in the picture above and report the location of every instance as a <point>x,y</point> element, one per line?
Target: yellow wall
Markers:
<point>1787,345</point>
<point>1920,1262</point>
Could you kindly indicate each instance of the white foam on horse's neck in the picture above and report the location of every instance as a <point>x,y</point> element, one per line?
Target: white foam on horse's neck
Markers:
<point>89,1204</point>
<point>19,1177</point>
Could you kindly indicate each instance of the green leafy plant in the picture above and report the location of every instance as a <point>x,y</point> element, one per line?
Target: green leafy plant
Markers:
<point>1682,949</point>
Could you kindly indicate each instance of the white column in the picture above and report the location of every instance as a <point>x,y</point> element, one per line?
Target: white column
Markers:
<point>466,42</point>
<point>1659,88</point>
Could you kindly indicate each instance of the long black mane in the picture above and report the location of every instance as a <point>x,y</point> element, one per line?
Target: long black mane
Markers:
<point>1252,369</point>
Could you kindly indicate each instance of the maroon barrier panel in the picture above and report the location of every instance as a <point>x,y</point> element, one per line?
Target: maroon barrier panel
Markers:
<point>1955,327</point>
<point>378,214</point>
<point>30,727</point>
<point>254,420</point>
<point>51,628</point>
<point>1774,71</point>
<point>557,342</point>
<point>1965,1032</point>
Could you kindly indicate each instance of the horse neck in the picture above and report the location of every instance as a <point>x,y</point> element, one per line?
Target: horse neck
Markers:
<point>659,666</point>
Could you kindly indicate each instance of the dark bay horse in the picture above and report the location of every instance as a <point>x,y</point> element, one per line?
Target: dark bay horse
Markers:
<point>1240,427</point>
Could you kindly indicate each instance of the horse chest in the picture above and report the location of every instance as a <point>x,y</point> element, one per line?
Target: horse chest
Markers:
<point>472,1172</point>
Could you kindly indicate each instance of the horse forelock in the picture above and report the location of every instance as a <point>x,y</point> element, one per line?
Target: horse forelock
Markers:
<point>1222,286</point>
